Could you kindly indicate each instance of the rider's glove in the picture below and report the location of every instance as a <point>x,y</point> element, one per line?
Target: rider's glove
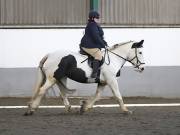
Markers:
<point>105,43</point>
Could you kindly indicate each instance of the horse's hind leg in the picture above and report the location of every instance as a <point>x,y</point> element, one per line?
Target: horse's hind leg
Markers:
<point>39,83</point>
<point>64,96</point>
<point>36,101</point>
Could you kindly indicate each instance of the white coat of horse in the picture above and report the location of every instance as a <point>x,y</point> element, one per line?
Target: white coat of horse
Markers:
<point>118,54</point>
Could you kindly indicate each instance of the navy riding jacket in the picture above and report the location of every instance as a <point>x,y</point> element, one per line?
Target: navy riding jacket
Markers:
<point>93,37</point>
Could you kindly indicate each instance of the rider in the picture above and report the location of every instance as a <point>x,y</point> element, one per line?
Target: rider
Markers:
<point>93,41</point>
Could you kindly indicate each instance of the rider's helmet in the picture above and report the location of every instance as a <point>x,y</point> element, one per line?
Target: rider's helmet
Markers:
<point>93,14</point>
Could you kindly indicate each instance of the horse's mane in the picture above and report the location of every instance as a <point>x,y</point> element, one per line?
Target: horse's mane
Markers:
<point>118,45</point>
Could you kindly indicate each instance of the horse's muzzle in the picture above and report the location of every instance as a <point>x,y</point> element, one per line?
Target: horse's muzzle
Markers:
<point>142,69</point>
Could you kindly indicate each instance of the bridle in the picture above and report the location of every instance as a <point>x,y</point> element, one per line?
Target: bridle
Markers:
<point>138,62</point>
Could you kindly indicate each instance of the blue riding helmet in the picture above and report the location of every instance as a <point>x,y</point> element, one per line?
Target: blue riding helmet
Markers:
<point>94,14</point>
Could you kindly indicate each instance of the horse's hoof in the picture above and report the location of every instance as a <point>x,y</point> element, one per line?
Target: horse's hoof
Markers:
<point>28,113</point>
<point>68,109</point>
<point>128,112</point>
<point>81,112</point>
<point>82,109</point>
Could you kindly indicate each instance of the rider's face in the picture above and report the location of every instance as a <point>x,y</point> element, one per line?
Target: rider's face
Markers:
<point>97,20</point>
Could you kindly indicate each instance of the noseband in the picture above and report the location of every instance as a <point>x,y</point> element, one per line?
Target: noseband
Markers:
<point>138,62</point>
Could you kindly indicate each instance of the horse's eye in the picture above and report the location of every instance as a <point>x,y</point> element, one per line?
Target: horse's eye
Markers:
<point>140,52</point>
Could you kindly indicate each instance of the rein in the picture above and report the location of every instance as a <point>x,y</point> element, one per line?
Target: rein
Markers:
<point>106,52</point>
<point>138,63</point>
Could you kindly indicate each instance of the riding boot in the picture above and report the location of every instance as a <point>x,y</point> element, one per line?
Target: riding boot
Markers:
<point>96,64</point>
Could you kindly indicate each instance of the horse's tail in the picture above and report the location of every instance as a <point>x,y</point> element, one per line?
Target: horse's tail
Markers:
<point>40,69</point>
<point>41,77</point>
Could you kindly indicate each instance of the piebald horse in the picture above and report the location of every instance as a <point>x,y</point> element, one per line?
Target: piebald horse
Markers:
<point>117,55</point>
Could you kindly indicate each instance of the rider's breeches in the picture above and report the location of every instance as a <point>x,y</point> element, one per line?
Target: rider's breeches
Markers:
<point>95,52</point>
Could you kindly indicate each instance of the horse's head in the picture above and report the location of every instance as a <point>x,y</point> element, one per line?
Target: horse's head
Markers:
<point>136,56</point>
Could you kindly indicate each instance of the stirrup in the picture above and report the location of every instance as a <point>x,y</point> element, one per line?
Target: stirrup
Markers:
<point>93,80</point>
<point>94,75</point>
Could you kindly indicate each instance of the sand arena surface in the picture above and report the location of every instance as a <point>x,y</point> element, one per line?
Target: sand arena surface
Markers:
<point>99,121</point>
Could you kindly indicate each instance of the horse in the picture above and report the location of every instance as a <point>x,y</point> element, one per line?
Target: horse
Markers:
<point>115,58</point>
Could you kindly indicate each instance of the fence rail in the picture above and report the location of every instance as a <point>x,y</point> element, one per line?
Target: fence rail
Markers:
<point>140,12</point>
<point>74,12</point>
<point>43,12</point>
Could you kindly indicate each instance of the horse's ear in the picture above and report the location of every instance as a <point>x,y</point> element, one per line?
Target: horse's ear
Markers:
<point>141,43</point>
<point>138,44</point>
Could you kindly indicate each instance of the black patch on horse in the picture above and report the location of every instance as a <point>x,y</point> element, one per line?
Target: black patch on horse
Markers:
<point>68,67</point>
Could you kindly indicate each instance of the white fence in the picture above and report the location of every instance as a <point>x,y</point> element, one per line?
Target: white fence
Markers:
<point>25,47</point>
<point>22,49</point>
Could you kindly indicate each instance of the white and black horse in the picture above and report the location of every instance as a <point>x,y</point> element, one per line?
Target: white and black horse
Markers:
<point>72,65</point>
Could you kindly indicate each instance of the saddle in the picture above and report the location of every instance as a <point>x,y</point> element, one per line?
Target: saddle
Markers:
<point>90,59</point>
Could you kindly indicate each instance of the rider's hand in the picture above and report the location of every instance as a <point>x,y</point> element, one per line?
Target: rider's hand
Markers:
<point>105,43</point>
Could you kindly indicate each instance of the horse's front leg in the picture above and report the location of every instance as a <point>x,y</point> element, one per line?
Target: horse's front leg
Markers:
<point>112,82</point>
<point>90,102</point>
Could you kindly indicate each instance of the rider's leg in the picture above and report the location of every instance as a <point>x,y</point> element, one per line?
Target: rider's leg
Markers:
<point>95,67</point>
<point>96,53</point>
<point>96,63</point>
